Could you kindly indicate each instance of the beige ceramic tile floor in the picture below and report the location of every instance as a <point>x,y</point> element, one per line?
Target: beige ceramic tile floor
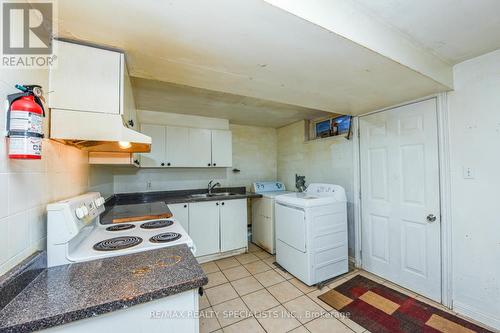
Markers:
<point>247,293</point>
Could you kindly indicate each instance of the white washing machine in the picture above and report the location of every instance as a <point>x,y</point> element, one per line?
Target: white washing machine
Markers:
<point>311,233</point>
<point>263,221</point>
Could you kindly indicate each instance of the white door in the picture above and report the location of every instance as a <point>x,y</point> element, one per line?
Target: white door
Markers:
<point>291,226</point>
<point>400,197</point>
<point>177,147</point>
<point>181,214</point>
<point>204,227</point>
<point>233,224</point>
<point>85,79</point>
<point>156,157</point>
<point>200,153</point>
<point>222,148</point>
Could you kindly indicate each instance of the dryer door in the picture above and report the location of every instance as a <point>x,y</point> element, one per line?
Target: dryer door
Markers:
<point>291,226</point>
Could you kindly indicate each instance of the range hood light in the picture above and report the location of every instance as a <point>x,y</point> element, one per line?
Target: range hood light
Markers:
<point>124,144</point>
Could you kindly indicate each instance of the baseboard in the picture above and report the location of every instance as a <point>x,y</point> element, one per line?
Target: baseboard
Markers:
<point>217,256</point>
<point>475,315</point>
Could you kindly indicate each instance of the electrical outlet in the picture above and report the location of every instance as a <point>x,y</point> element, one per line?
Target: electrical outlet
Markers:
<point>468,173</point>
<point>148,185</point>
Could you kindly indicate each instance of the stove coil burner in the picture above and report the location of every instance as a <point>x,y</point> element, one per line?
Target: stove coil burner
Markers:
<point>117,243</point>
<point>120,227</point>
<point>157,224</point>
<point>165,237</point>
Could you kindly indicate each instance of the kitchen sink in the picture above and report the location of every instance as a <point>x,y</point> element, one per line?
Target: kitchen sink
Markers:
<point>211,195</point>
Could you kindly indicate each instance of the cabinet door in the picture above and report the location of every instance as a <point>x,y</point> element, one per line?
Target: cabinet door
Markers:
<point>204,227</point>
<point>177,147</point>
<point>222,148</point>
<point>200,147</point>
<point>181,214</point>
<point>233,224</point>
<point>85,79</point>
<point>157,155</point>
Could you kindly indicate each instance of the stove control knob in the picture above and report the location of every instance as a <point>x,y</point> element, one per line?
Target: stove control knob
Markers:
<point>80,213</point>
<point>99,202</point>
<point>85,211</point>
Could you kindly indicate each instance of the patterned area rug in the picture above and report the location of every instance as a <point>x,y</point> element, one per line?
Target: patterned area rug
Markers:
<point>381,309</point>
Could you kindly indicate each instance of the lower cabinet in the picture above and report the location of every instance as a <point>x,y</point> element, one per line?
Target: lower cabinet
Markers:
<point>204,227</point>
<point>218,226</point>
<point>233,225</point>
<point>181,214</point>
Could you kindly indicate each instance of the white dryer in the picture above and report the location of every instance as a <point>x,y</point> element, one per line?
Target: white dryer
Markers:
<point>311,233</point>
<point>263,229</point>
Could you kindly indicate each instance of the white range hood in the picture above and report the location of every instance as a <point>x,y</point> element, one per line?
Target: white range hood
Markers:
<point>97,132</point>
<point>91,99</point>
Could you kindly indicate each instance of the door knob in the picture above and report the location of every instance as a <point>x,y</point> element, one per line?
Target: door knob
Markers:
<point>431,218</point>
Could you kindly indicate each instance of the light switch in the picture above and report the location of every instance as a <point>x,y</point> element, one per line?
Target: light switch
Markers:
<point>468,173</point>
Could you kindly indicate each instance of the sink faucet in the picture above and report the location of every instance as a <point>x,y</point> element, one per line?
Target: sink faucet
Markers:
<point>211,187</point>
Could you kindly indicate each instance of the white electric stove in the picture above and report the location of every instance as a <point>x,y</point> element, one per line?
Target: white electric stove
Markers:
<point>74,233</point>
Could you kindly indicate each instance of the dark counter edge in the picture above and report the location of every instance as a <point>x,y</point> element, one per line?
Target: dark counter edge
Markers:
<point>178,196</point>
<point>172,197</point>
<point>31,265</point>
<point>93,311</point>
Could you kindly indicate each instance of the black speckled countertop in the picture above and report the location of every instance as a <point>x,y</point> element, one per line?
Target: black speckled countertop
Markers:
<point>62,294</point>
<point>155,203</point>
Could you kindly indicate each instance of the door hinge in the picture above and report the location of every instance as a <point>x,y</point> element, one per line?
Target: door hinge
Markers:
<point>360,254</point>
<point>359,133</point>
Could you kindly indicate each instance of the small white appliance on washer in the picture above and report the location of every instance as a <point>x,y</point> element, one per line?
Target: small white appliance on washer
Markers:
<point>311,233</point>
<point>263,221</point>
<point>74,233</point>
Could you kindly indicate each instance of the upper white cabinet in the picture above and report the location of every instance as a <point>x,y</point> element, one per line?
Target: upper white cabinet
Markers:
<point>155,158</point>
<point>222,148</point>
<point>177,146</point>
<point>174,146</point>
<point>200,147</point>
<point>86,79</point>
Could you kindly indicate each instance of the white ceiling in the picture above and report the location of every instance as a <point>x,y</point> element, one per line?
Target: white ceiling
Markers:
<point>242,110</point>
<point>245,47</point>
<point>454,30</point>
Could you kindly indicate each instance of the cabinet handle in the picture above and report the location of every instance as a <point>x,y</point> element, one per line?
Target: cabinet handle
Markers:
<point>222,204</point>
<point>209,164</point>
<point>217,203</point>
<point>215,164</point>
<point>137,162</point>
<point>131,123</point>
<point>162,164</point>
<point>168,164</point>
<point>185,206</point>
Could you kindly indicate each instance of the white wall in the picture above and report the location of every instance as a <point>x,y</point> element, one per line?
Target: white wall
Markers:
<point>254,153</point>
<point>328,160</point>
<point>27,186</point>
<point>475,143</point>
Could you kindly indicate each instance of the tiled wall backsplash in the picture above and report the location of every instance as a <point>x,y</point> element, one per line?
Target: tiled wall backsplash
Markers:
<point>26,188</point>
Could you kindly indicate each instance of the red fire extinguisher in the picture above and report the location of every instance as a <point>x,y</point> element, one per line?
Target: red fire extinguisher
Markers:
<point>25,123</point>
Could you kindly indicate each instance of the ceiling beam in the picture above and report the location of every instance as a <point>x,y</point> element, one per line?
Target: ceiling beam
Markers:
<point>349,20</point>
